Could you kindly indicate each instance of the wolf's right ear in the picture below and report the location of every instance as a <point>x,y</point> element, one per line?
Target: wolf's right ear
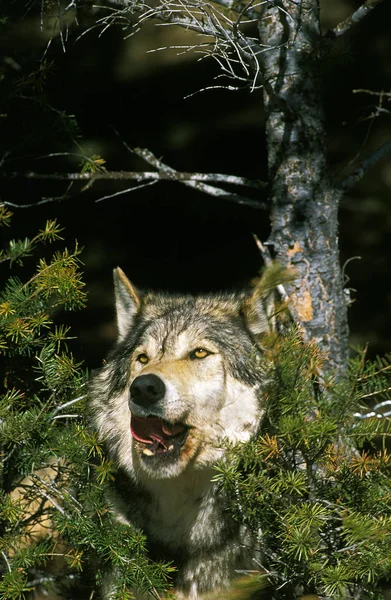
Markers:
<point>127,302</point>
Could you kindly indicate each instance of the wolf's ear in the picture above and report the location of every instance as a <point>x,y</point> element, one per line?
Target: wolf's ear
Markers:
<point>259,313</point>
<point>127,302</point>
<point>260,308</point>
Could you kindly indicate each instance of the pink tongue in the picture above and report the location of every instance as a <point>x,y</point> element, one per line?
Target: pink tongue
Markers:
<point>152,428</point>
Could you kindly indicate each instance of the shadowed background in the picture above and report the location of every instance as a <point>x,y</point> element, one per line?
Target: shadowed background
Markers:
<point>166,236</point>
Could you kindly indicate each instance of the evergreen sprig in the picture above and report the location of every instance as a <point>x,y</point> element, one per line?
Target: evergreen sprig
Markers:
<point>317,480</point>
<point>55,516</point>
<point>27,309</point>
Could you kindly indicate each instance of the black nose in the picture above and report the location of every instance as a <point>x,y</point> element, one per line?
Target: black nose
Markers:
<point>147,389</point>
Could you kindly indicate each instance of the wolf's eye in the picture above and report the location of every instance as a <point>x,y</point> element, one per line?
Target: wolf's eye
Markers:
<point>143,359</point>
<point>199,353</point>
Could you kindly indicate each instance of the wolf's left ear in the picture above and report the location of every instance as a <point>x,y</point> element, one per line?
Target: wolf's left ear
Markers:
<point>259,313</point>
<point>260,307</point>
<point>127,302</point>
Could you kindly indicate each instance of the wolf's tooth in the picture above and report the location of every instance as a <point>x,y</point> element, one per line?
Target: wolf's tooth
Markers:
<point>170,447</point>
<point>147,452</point>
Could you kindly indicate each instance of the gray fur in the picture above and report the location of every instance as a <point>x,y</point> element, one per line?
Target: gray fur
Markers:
<point>217,398</point>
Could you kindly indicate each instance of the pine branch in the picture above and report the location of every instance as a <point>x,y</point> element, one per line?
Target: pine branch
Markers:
<point>164,173</point>
<point>223,38</point>
<point>66,404</point>
<point>170,173</point>
<point>360,14</point>
<point>351,180</point>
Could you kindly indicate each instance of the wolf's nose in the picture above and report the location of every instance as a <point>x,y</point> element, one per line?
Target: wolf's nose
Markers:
<point>147,389</point>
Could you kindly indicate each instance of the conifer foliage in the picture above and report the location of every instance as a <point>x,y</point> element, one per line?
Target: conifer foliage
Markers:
<point>316,483</point>
<point>54,513</point>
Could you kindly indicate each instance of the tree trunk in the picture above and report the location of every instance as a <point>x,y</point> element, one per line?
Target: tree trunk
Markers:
<point>304,216</point>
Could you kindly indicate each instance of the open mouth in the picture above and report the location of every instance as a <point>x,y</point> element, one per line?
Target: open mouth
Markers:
<point>158,437</point>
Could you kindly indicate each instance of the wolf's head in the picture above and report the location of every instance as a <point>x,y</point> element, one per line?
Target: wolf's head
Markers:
<point>185,374</point>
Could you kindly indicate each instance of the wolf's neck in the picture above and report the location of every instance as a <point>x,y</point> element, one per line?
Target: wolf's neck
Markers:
<point>189,487</point>
<point>182,511</point>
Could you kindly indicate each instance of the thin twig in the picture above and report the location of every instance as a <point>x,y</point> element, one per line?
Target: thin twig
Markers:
<point>165,174</point>
<point>53,502</point>
<point>229,43</point>
<point>354,18</point>
<point>7,561</point>
<point>66,404</point>
<point>376,393</point>
<point>65,196</point>
<point>69,416</point>
<point>375,411</point>
<point>126,191</point>
<point>170,173</point>
<point>52,487</point>
<point>371,92</point>
<point>351,180</point>
<point>195,180</point>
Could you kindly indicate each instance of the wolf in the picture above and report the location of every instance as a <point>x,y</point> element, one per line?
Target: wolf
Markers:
<point>184,379</point>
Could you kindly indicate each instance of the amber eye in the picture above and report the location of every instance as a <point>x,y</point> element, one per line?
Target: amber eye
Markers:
<point>143,359</point>
<point>199,353</point>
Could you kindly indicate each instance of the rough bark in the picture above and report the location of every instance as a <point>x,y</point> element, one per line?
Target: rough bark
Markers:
<point>304,216</point>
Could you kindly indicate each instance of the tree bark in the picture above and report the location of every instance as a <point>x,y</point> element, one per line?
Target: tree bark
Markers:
<point>285,62</point>
<point>304,215</point>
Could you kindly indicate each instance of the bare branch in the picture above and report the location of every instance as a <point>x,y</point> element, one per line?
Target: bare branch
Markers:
<point>69,403</point>
<point>378,108</point>
<point>351,180</point>
<point>194,180</point>
<point>53,502</point>
<point>170,173</point>
<point>53,488</point>
<point>248,8</point>
<point>220,30</point>
<point>126,191</point>
<point>7,561</point>
<point>354,18</point>
<point>166,173</point>
<point>375,411</point>
<point>372,92</point>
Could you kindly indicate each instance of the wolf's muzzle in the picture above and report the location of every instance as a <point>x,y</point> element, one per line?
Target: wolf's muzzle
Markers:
<point>147,390</point>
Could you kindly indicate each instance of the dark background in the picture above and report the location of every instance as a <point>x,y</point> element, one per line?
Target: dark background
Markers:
<point>167,236</point>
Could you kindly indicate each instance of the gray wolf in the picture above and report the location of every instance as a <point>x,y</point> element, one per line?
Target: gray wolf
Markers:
<point>184,378</point>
